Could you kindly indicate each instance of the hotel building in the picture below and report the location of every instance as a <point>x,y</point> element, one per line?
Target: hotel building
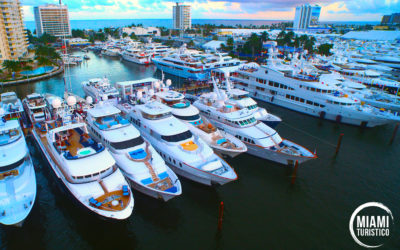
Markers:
<point>13,38</point>
<point>306,16</point>
<point>52,19</point>
<point>181,17</point>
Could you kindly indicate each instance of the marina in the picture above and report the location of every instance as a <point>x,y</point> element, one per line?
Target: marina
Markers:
<point>360,172</point>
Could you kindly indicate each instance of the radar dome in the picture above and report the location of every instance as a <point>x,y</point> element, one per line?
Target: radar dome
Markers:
<point>71,100</point>
<point>56,103</point>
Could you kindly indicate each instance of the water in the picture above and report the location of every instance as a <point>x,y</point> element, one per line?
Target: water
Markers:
<point>117,23</point>
<point>262,208</point>
<point>40,70</point>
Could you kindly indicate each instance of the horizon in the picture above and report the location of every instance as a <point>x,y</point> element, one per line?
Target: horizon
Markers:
<point>275,10</point>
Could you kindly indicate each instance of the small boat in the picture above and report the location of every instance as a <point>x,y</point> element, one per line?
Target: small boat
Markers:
<point>86,57</point>
<point>35,108</point>
<point>100,89</point>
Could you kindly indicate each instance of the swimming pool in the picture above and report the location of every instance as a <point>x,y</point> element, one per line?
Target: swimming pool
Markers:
<point>38,71</point>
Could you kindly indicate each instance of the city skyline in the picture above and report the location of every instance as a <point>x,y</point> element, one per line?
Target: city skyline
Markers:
<point>332,10</point>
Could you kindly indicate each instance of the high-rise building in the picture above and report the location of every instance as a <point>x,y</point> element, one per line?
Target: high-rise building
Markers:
<point>392,19</point>
<point>181,16</point>
<point>306,16</point>
<point>13,37</point>
<point>52,19</point>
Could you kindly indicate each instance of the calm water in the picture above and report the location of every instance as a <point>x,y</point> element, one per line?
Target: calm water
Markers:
<point>116,23</point>
<point>262,208</point>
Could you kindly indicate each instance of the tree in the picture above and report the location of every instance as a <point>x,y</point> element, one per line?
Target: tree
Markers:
<point>47,38</point>
<point>43,60</point>
<point>78,33</point>
<point>325,49</point>
<point>264,36</point>
<point>253,45</point>
<point>133,36</point>
<point>12,65</point>
<point>230,41</point>
<point>191,44</point>
<point>124,34</point>
<point>215,37</point>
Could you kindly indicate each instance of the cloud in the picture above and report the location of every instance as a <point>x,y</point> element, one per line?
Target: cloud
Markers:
<point>221,9</point>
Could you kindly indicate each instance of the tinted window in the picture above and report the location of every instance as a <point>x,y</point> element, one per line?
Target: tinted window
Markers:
<point>127,144</point>
<point>178,137</point>
<point>12,166</point>
<point>188,118</point>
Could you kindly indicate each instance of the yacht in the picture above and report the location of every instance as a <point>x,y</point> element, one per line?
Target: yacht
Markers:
<point>82,166</point>
<point>261,140</point>
<point>35,108</point>
<point>12,105</point>
<point>187,154</point>
<point>100,89</point>
<point>136,55</point>
<point>283,85</point>
<point>137,159</point>
<point>110,51</point>
<point>222,142</point>
<point>241,99</point>
<point>193,66</point>
<point>17,174</point>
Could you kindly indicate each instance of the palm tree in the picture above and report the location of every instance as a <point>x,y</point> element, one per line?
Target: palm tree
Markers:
<point>11,65</point>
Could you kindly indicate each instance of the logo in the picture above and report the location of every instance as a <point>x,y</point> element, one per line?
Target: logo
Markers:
<point>371,224</point>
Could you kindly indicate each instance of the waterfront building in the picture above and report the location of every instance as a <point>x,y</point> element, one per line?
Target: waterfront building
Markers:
<point>140,31</point>
<point>181,16</point>
<point>306,16</point>
<point>52,19</point>
<point>13,39</point>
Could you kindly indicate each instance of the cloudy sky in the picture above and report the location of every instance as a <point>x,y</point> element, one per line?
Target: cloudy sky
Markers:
<point>332,10</point>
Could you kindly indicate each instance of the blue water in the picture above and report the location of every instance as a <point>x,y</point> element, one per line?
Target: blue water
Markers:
<point>38,71</point>
<point>116,23</point>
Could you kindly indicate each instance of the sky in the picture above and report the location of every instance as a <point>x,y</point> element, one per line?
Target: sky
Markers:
<point>332,10</point>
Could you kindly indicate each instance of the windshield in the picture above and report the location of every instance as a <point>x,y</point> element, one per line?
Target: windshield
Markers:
<point>178,137</point>
<point>188,118</point>
<point>127,144</point>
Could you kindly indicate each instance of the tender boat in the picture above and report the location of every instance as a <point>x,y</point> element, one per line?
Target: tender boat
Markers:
<point>17,174</point>
<point>137,159</point>
<point>35,108</point>
<point>82,166</point>
<point>188,155</point>
<point>12,105</point>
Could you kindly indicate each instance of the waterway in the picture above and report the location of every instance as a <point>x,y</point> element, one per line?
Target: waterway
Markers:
<point>263,209</point>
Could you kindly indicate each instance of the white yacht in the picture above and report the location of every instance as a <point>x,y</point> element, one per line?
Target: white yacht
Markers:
<point>241,99</point>
<point>110,51</point>
<point>35,108</point>
<point>188,155</point>
<point>137,159</point>
<point>261,140</point>
<point>282,84</point>
<point>100,89</point>
<point>82,166</point>
<point>17,174</point>
<point>12,105</point>
<point>136,55</point>
<point>193,66</point>
<point>222,142</point>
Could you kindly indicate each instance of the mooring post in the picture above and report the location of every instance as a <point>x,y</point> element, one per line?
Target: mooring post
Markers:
<point>339,143</point>
<point>296,165</point>
<point>220,215</point>
<point>394,133</point>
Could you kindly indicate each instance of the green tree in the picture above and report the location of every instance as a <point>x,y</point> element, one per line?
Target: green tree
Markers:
<point>43,61</point>
<point>215,37</point>
<point>133,36</point>
<point>124,34</point>
<point>78,33</point>
<point>253,45</point>
<point>325,49</point>
<point>191,44</point>
<point>264,36</point>
<point>12,65</point>
<point>47,38</point>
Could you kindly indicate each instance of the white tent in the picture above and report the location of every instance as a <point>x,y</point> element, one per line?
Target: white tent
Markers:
<point>384,35</point>
<point>213,45</point>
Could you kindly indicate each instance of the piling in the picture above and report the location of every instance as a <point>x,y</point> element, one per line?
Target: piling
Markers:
<point>220,215</point>
<point>339,143</point>
<point>394,133</point>
<point>296,165</point>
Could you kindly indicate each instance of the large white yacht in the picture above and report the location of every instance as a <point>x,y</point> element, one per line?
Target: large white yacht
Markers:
<point>241,99</point>
<point>284,85</point>
<point>188,155</point>
<point>100,89</point>
<point>261,140</point>
<point>222,142</point>
<point>82,166</point>
<point>35,108</point>
<point>17,175</point>
<point>139,162</point>
<point>136,55</point>
<point>193,66</point>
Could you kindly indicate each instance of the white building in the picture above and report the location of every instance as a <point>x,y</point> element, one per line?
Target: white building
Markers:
<point>181,16</point>
<point>52,19</point>
<point>140,31</point>
<point>306,16</point>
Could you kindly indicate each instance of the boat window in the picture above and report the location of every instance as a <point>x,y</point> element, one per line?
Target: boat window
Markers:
<point>188,118</point>
<point>127,144</point>
<point>156,117</point>
<point>178,137</point>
